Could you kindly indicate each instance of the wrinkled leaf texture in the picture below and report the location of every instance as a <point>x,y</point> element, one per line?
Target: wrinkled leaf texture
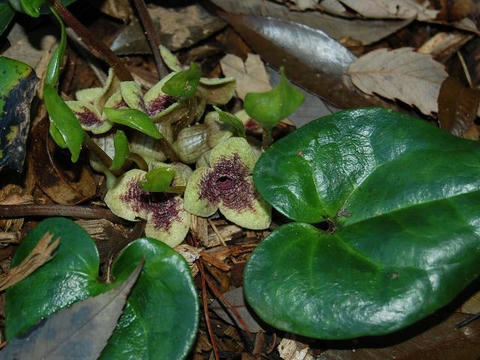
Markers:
<point>160,318</point>
<point>402,197</point>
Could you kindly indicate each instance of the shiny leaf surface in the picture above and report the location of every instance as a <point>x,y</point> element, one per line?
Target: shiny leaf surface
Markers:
<point>163,301</point>
<point>78,332</point>
<point>17,90</point>
<point>6,15</point>
<point>311,58</point>
<point>120,142</point>
<point>271,107</point>
<point>183,84</point>
<point>34,8</point>
<point>400,196</point>
<point>135,119</point>
<point>64,120</point>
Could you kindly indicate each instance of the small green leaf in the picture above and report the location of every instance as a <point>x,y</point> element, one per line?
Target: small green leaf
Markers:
<point>120,142</point>
<point>135,119</point>
<point>64,120</point>
<point>232,120</point>
<point>53,70</point>
<point>402,197</point>
<point>184,84</point>
<point>6,15</point>
<point>158,180</point>
<point>32,7</point>
<point>56,136</point>
<point>271,107</point>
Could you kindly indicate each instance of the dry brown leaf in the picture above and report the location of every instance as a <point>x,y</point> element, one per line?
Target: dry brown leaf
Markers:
<point>251,76</point>
<point>443,45</point>
<point>400,74</point>
<point>119,9</point>
<point>41,253</point>
<point>472,305</point>
<point>391,9</point>
<point>457,106</point>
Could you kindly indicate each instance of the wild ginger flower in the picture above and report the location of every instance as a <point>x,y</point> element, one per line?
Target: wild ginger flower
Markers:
<point>227,185</point>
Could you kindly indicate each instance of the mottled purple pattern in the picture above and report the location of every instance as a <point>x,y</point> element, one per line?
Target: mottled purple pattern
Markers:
<point>164,207</point>
<point>227,183</point>
<point>121,104</point>
<point>159,104</point>
<point>88,117</point>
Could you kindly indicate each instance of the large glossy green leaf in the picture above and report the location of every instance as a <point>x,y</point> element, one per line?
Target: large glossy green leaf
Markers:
<point>17,90</point>
<point>402,198</point>
<point>6,15</point>
<point>161,317</point>
<point>69,277</point>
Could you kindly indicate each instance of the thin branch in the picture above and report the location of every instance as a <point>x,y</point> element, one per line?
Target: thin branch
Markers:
<point>205,302</point>
<point>81,212</point>
<point>98,48</point>
<point>229,307</point>
<point>152,36</point>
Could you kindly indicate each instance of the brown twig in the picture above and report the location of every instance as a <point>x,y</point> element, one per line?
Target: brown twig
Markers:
<point>229,307</point>
<point>215,230</point>
<point>97,150</point>
<point>98,48</point>
<point>152,36</point>
<point>205,303</point>
<point>81,212</point>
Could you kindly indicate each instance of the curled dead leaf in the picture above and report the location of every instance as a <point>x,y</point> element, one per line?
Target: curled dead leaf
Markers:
<point>65,183</point>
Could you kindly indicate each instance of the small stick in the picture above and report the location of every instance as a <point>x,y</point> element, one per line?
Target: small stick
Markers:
<point>81,212</point>
<point>205,303</point>
<point>215,230</point>
<point>229,307</point>
<point>465,68</point>
<point>98,48</point>
<point>152,36</point>
<point>468,321</point>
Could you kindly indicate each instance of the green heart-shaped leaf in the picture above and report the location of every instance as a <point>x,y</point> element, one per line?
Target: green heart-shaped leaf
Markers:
<point>161,316</point>
<point>6,15</point>
<point>158,179</point>
<point>269,108</point>
<point>402,197</point>
<point>120,143</point>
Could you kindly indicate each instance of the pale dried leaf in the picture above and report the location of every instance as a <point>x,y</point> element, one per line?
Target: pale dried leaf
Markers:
<point>442,45</point>
<point>472,305</point>
<point>305,4</point>
<point>251,76</point>
<point>293,350</point>
<point>392,9</point>
<point>119,9</point>
<point>400,74</point>
<point>41,253</point>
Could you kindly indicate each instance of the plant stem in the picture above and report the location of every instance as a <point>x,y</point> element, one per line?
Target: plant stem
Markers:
<point>267,138</point>
<point>81,212</point>
<point>152,36</point>
<point>98,48</point>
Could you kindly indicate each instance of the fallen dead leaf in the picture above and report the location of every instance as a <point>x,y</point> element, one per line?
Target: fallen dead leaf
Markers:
<point>443,45</point>
<point>293,350</point>
<point>251,75</point>
<point>400,74</point>
<point>41,253</point>
<point>392,9</point>
<point>457,106</point>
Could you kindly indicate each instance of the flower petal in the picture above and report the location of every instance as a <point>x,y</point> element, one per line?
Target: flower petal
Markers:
<point>257,216</point>
<point>217,91</point>
<point>170,59</point>
<point>172,233</point>
<point>156,101</point>
<point>89,117</point>
<point>217,131</point>
<point>112,85</point>
<point>192,202</point>
<point>121,198</point>
<point>132,94</point>
<point>234,146</point>
<point>115,101</point>
<point>88,95</point>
